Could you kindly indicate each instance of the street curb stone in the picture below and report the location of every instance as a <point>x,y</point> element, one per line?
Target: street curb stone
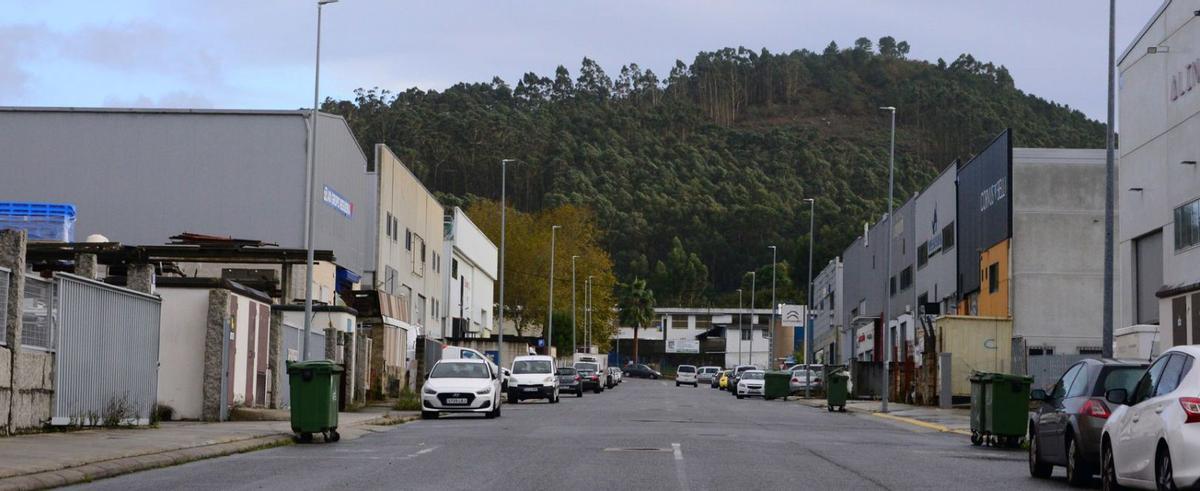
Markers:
<point>134,463</point>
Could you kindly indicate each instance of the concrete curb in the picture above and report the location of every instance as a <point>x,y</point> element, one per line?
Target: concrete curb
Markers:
<point>891,417</point>
<point>126,465</point>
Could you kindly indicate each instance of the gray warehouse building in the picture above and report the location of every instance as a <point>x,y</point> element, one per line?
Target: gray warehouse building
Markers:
<point>140,176</point>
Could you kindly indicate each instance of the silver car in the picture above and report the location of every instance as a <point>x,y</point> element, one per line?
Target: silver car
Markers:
<point>802,378</point>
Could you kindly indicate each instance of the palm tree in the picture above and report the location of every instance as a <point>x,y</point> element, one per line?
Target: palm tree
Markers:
<point>637,308</point>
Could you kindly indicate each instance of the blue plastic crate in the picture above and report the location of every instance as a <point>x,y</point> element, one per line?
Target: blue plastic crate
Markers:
<point>42,221</point>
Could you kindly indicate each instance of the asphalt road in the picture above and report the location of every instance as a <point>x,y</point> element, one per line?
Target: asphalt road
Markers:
<point>641,435</point>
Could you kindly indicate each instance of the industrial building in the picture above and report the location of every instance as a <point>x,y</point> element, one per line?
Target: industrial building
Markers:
<point>1158,188</point>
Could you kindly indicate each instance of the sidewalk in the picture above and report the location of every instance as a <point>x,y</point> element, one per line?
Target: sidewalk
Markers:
<point>928,417</point>
<point>56,459</point>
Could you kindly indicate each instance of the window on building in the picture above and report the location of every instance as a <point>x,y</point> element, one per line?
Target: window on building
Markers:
<point>419,310</point>
<point>1187,225</point>
<point>948,237</point>
<point>893,286</point>
<point>389,279</point>
<point>679,322</point>
<point>390,234</point>
<point>407,239</point>
<point>1041,350</point>
<point>993,277</point>
<point>1090,350</point>
<point>906,278</point>
<point>922,299</point>
<point>872,262</point>
<point>703,322</point>
<point>418,258</point>
<point>453,268</point>
<point>746,334</point>
<point>922,254</point>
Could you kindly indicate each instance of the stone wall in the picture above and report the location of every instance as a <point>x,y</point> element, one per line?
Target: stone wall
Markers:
<point>214,344</point>
<point>5,388</point>
<point>32,392</point>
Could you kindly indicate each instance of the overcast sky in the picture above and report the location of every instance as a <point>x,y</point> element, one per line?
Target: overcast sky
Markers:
<point>259,53</point>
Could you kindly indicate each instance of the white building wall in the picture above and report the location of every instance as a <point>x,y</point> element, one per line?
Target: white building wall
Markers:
<point>470,294</point>
<point>1159,102</point>
<point>416,219</point>
<point>181,350</point>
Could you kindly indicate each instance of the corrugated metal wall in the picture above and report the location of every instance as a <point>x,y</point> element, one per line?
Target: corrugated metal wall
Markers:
<point>107,358</point>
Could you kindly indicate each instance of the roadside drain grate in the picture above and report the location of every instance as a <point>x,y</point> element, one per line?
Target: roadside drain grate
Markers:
<point>637,449</point>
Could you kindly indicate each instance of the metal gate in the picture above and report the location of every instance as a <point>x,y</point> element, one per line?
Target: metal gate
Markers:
<point>293,341</point>
<point>107,353</point>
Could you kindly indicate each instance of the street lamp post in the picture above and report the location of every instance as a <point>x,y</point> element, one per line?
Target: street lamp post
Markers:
<point>887,268</point>
<point>774,308</point>
<point>741,325</point>
<point>587,329</point>
<point>1106,348</point>
<point>574,347</point>
<point>808,316</point>
<point>503,236</point>
<point>550,302</point>
<point>753,279</point>
<point>310,179</point>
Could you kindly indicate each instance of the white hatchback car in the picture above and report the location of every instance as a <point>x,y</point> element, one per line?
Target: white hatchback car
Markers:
<point>686,375</point>
<point>750,384</point>
<point>1152,438</point>
<point>461,386</point>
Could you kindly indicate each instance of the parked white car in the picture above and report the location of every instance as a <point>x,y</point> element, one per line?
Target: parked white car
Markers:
<point>686,375</point>
<point>705,375</point>
<point>1152,438</point>
<point>750,384</point>
<point>461,386</point>
<point>615,373</point>
<point>533,378</point>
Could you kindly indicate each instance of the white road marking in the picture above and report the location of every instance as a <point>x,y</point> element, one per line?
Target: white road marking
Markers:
<point>678,451</point>
<point>680,474</point>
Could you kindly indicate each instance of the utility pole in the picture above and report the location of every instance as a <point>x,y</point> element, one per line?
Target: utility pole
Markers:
<point>503,236</point>
<point>808,316</point>
<point>741,325</point>
<point>574,347</point>
<point>550,303</point>
<point>310,191</point>
<point>753,279</point>
<point>1110,171</point>
<point>774,308</point>
<point>887,270</point>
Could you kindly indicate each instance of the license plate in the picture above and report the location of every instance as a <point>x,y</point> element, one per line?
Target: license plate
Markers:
<point>530,389</point>
<point>456,400</point>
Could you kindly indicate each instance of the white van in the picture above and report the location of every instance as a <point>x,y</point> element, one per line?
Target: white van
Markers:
<point>533,378</point>
<point>597,363</point>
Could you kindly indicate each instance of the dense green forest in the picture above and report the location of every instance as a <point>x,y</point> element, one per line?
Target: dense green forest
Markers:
<point>694,174</point>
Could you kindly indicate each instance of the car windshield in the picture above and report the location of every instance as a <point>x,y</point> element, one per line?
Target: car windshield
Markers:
<point>752,376</point>
<point>1122,378</point>
<point>687,369</point>
<point>587,366</point>
<point>566,371</point>
<point>532,366</point>
<point>459,370</point>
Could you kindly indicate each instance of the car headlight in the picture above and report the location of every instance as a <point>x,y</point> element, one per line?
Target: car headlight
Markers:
<point>484,391</point>
<point>549,380</point>
<point>429,391</point>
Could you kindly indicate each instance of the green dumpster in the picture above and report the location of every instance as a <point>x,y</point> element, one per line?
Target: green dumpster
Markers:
<point>314,393</point>
<point>999,408</point>
<point>837,389</point>
<point>777,384</point>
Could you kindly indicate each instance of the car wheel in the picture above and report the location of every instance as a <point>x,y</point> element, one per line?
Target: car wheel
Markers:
<point>1164,477</point>
<point>677,384</point>
<point>497,412</point>
<point>1078,473</point>
<point>596,390</point>
<point>1108,475</point>
<point>739,396</point>
<point>579,392</point>
<point>429,414</point>
<point>1037,468</point>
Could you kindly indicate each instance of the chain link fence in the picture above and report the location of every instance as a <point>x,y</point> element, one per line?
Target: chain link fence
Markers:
<point>38,314</point>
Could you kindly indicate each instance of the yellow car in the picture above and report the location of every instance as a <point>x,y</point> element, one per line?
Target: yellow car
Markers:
<point>724,384</point>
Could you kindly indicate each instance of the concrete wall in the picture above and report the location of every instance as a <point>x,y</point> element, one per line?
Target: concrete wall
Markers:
<point>417,212</point>
<point>1158,132</point>
<point>1057,255</point>
<point>181,350</point>
<point>238,173</point>
<point>904,254</point>
<point>470,295</point>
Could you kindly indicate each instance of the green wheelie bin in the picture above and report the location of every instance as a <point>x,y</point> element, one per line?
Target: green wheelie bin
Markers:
<point>314,393</point>
<point>1001,416</point>
<point>777,384</point>
<point>837,389</point>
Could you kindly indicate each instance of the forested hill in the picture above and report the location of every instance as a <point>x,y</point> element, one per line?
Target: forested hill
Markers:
<point>718,153</point>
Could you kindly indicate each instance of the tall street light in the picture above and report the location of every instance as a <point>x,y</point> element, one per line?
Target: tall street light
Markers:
<point>887,269</point>
<point>771,328</point>
<point>808,316</point>
<point>503,236</point>
<point>587,328</point>
<point>574,347</point>
<point>753,279</point>
<point>550,303</point>
<point>741,325</point>
<point>1109,179</point>
<point>310,189</point>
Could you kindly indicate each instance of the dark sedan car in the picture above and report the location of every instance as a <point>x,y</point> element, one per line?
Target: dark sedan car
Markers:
<point>591,380</point>
<point>1065,429</point>
<point>569,381</point>
<point>642,371</point>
